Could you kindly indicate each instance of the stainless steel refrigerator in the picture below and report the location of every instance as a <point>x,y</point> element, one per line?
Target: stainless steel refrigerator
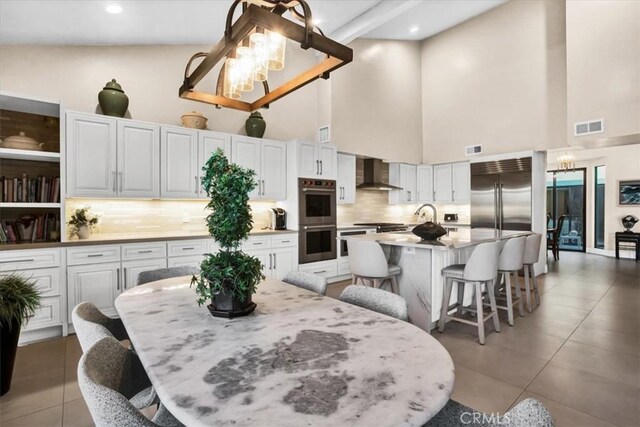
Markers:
<point>501,194</point>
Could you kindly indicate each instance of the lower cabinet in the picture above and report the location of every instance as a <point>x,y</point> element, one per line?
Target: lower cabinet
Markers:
<point>132,269</point>
<point>99,284</point>
<point>278,254</point>
<point>185,261</point>
<point>328,269</point>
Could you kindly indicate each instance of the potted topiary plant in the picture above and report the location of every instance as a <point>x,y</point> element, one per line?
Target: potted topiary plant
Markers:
<point>82,222</point>
<point>228,278</point>
<point>19,299</point>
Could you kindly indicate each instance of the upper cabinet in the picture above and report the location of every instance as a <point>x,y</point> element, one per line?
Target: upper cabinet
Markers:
<point>451,182</point>
<point>109,157</point>
<point>424,184</point>
<point>316,160</point>
<point>268,159</point>
<point>179,169</point>
<point>346,182</point>
<point>404,176</point>
<point>460,182</point>
<point>208,143</point>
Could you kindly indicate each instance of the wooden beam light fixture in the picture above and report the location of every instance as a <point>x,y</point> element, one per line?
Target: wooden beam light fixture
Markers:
<point>253,46</point>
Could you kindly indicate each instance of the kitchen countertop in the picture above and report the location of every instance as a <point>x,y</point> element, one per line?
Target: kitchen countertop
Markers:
<point>123,238</point>
<point>454,240</point>
<point>355,227</point>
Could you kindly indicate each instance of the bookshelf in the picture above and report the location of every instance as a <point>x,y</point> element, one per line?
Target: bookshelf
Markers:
<point>31,186</point>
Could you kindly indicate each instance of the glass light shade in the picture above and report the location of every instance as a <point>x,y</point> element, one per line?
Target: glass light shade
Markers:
<point>277,45</point>
<point>258,44</point>
<point>245,68</point>
<point>230,87</point>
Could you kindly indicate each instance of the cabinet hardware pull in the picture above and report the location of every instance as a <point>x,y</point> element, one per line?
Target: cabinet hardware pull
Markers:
<point>145,252</point>
<point>320,167</point>
<point>285,241</point>
<point>117,278</point>
<point>453,197</point>
<point>317,167</point>
<point>188,249</point>
<point>17,260</point>
<point>263,187</point>
<point>125,278</point>
<point>256,243</point>
<point>274,262</point>
<point>94,255</point>
<point>196,187</point>
<point>270,262</point>
<point>321,271</point>
<point>120,176</point>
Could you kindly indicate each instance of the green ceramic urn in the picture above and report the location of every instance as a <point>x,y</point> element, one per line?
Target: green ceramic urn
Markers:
<point>112,99</point>
<point>255,125</point>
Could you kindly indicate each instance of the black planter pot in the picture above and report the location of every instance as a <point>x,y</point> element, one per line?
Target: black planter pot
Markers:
<point>226,305</point>
<point>8,349</point>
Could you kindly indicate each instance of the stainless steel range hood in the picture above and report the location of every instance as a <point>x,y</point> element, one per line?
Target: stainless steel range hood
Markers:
<point>374,177</point>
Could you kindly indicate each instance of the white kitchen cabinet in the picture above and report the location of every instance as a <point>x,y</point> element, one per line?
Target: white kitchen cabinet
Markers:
<point>273,176</point>
<point>98,284</point>
<point>442,183</point>
<point>132,269</point>
<point>179,163</point>
<point>285,260</point>
<point>208,143</point>
<point>278,254</point>
<point>327,269</point>
<point>138,159</point>
<point>424,184</point>
<point>316,160</point>
<point>269,161</point>
<point>404,176</point>
<point>266,259</point>
<point>91,155</point>
<point>185,261</point>
<point>460,182</point>
<point>346,181</point>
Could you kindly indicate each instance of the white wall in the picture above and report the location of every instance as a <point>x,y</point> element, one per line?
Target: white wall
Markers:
<point>376,103</point>
<point>498,80</point>
<point>151,76</point>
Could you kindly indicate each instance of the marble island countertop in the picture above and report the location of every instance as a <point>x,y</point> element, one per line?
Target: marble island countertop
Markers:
<point>462,238</point>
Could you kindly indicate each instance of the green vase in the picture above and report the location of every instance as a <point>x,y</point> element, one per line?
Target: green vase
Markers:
<point>255,125</point>
<point>112,99</point>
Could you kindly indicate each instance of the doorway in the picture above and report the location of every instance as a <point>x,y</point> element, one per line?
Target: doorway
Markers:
<point>566,195</point>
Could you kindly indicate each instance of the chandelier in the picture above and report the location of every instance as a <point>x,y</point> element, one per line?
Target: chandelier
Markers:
<point>254,46</point>
<point>566,162</point>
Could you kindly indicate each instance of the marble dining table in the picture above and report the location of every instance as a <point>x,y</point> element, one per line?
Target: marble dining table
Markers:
<point>299,359</point>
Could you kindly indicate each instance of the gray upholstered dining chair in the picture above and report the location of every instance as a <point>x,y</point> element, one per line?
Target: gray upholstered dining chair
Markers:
<point>368,263</point>
<point>527,413</point>
<point>376,300</point>
<point>92,326</point>
<point>109,375</point>
<point>165,273</point>
<point>308,281</point>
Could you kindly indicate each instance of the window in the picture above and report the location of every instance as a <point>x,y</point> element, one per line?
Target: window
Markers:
<point>598,201</point>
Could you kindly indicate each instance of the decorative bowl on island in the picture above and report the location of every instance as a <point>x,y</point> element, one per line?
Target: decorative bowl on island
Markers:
<point>429,231</point>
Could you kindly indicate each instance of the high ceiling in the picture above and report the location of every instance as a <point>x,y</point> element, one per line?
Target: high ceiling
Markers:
<point>86,22</point>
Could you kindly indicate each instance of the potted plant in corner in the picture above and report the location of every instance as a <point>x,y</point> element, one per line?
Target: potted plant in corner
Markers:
<point>82,222</point>
<point>228,278</point>
<point>19,299</point>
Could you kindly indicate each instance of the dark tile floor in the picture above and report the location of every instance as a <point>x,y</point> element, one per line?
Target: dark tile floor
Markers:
<point>579,353</point>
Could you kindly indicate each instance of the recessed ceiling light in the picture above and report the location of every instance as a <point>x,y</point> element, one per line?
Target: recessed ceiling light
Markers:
<point>114,8</point>
<point>413,29</point>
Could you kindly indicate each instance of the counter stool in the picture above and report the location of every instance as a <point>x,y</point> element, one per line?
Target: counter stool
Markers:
<point>509,264</point>
<point>531,256</point>
<point>368,263</point>
<point>481,269</point>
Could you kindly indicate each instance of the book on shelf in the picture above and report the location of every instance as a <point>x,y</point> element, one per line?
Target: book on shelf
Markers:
<point>41,189</point>
<point>29,229</point>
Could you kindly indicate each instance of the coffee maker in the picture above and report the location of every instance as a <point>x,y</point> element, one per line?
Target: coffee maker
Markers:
<point>278,219</point>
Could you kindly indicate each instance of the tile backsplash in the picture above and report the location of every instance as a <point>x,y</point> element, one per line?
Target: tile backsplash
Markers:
<point>155,217</point>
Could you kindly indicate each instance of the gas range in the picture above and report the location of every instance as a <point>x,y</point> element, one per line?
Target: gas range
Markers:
<point>384,227</point>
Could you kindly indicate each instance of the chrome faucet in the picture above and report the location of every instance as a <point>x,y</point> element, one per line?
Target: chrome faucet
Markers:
<point>435,211</point>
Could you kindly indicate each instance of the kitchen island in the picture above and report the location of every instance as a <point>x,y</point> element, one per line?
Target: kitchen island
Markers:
<point>420,282</point>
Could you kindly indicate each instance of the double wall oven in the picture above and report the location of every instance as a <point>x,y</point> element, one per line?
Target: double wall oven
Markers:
<point>317,212</point>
